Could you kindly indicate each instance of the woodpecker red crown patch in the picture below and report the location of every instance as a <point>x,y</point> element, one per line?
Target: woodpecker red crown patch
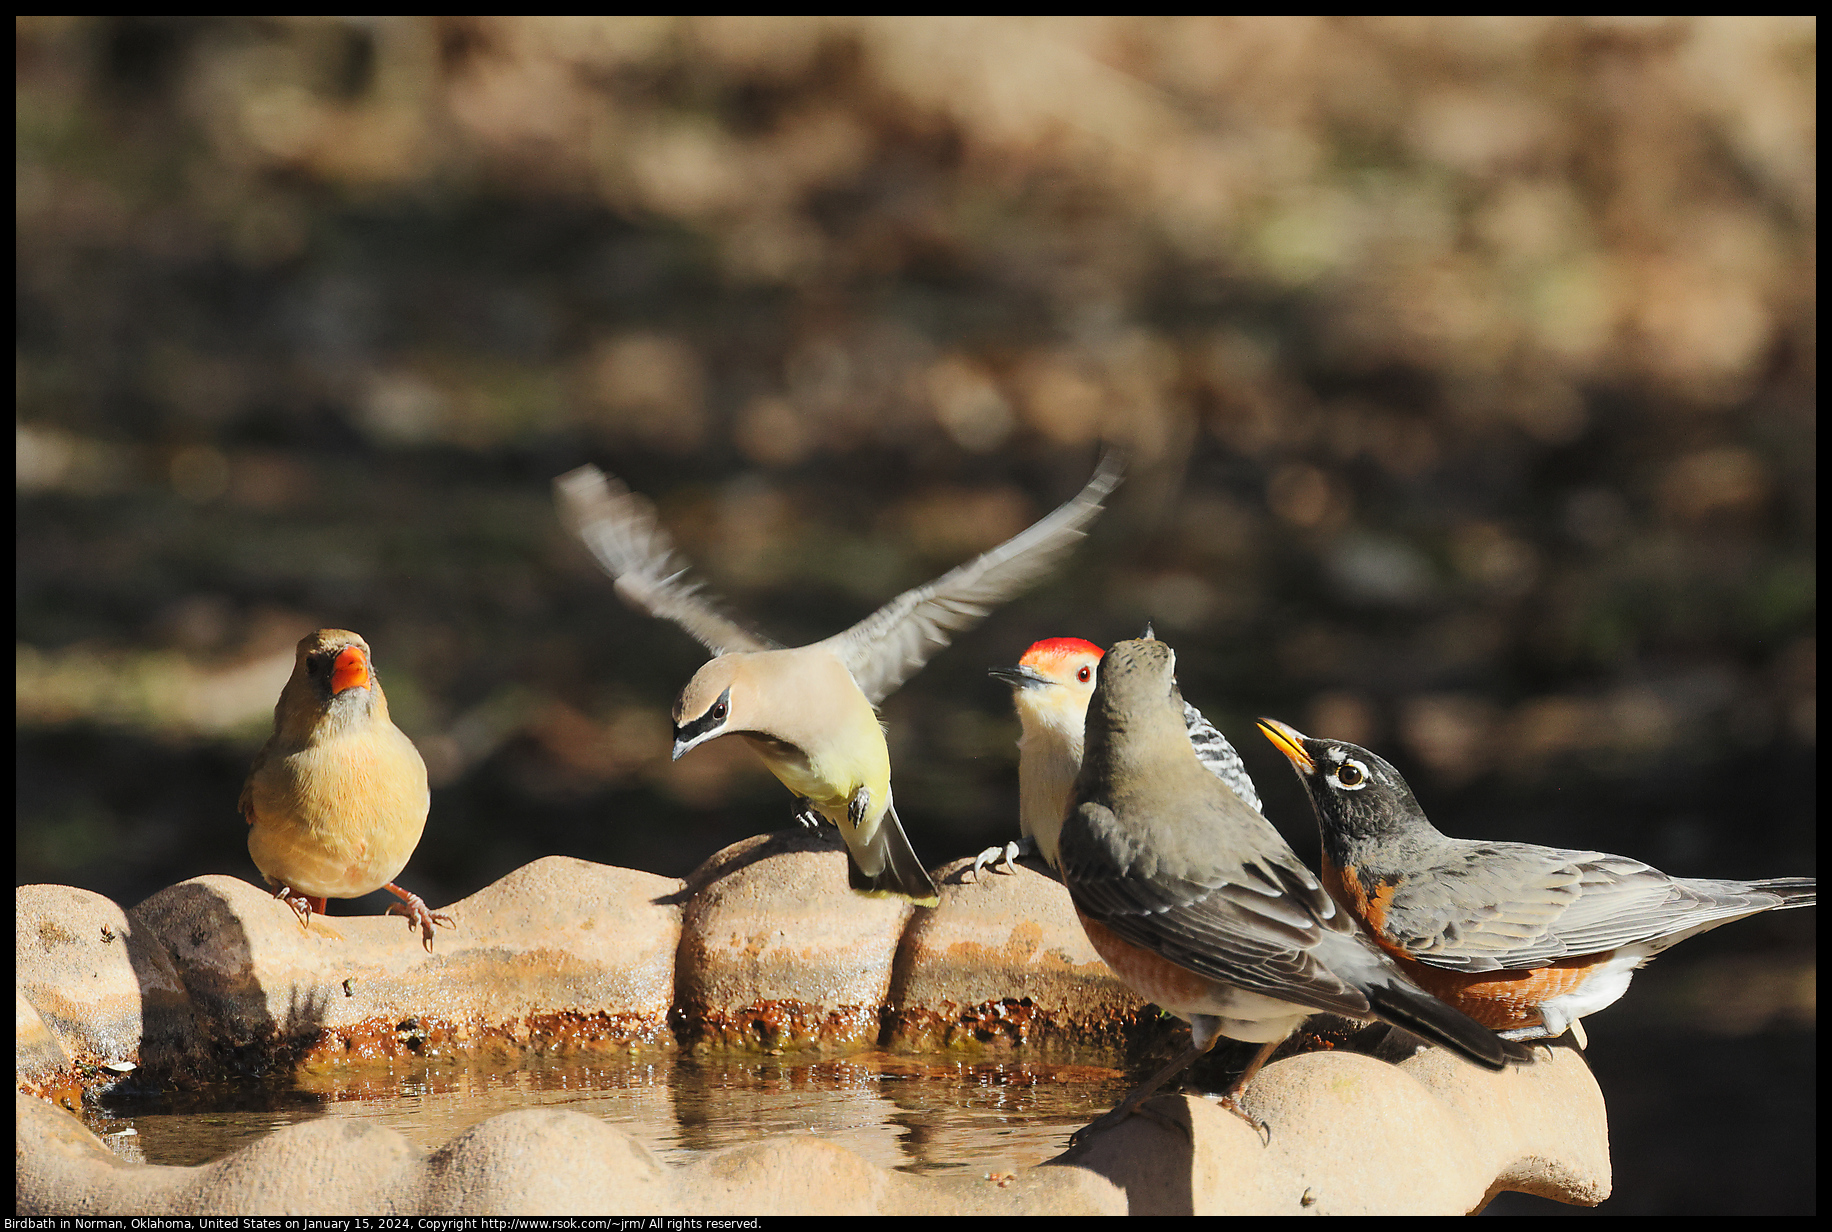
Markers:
<point>1051,649</point>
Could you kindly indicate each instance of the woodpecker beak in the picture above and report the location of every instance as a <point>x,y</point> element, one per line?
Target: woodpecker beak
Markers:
<point>350,671</point>
<point>1289,741</point>
<point>1020,677</point>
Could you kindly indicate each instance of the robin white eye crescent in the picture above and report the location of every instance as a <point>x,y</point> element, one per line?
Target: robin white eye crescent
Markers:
<point>1352,775</point>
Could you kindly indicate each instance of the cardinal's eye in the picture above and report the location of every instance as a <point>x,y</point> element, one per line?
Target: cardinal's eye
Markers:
<point>1085,674</point>
<point>1351,775</point>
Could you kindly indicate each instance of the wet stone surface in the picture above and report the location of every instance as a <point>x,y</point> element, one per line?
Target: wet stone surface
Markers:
<point>755,1039</point>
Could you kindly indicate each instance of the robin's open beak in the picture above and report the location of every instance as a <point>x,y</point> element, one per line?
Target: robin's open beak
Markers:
<point>1020,677</point>
<point>1289,741</point>
<point>350,671</point>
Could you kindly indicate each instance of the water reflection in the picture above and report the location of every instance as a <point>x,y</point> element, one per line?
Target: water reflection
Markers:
<point>911,1113</point>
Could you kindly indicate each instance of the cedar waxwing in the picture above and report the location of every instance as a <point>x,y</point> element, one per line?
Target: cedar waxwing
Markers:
<point>1524,939</point>
<point>809,711</point>
<point>337,798</point>
<point>1198,904</point>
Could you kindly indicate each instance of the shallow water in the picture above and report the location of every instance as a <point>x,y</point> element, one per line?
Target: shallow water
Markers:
<point>917,1114</point>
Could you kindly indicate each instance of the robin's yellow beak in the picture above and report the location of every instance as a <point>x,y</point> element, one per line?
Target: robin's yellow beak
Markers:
<point>1289,741</point>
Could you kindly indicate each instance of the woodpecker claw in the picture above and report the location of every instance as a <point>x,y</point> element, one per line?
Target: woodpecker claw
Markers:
<point>1006,855</point>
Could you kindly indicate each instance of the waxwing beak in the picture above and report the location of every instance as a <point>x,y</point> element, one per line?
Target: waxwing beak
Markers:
<point>685,741</point>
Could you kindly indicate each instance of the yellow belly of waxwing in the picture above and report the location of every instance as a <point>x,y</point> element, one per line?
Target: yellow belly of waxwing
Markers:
<point>830,782</point>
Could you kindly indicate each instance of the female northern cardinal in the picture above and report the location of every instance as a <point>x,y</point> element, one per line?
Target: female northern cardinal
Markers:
<point>337,798</point>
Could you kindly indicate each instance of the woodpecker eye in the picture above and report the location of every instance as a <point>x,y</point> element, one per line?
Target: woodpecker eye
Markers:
<point>1085,674</point>
<point>1352,775</point>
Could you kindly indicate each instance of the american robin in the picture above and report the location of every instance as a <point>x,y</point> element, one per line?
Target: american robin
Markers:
<point>1050,689</point>
<point>1526,940</point>
<point>336,799</point>
<point>809,711</point>
<point>1198,904</point>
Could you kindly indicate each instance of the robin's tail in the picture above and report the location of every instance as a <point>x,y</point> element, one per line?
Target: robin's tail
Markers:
<point>1792,891</point>
<point>901,872</point>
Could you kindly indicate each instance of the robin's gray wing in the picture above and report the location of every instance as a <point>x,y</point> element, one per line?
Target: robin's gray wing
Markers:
<point>620,529</point>
<point>1480,906</point>
<point>1218,757</point>
<point>890,645</point>
<point>1252,922</point>
<point>1625,902</point>
<point>1496,906</point>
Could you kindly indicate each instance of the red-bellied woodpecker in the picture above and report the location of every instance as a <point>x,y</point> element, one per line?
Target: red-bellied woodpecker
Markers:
<point>1050,690</point>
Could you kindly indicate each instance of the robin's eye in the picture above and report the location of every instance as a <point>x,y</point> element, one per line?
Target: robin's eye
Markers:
<point>1351,775</point>
<point>1085,674</point>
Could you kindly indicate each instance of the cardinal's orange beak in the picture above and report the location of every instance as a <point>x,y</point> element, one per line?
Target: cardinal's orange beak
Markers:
<point>351,670</point>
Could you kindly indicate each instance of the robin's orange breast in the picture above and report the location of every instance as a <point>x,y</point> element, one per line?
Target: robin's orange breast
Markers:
<point>1499,1000</point>
<point>1157,979</point>
<point>1503,999</point>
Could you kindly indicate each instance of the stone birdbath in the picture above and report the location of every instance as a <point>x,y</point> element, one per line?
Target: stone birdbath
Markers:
<point>761,952</point>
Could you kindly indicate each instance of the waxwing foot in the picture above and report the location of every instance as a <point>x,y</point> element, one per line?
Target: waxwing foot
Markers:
<point>806,815</point>
<point>418,914</point>
<point>858,808</point>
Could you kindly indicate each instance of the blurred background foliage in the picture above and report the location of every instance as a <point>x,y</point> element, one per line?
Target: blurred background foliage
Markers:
<point>1467,366</point>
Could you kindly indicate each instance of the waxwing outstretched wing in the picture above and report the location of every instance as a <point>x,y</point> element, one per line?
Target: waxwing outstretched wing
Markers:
<point>809,711</point>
